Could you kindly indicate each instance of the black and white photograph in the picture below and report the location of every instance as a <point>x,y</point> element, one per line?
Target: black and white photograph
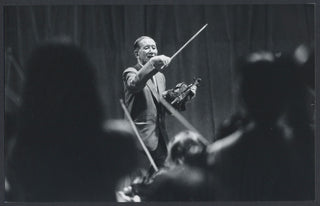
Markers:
<point>149,102</point>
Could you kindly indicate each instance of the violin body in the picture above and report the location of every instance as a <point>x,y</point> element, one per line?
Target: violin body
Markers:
<point>181,94</point>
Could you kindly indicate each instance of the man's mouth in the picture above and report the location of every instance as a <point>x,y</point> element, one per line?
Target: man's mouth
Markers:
<point>150,56</point>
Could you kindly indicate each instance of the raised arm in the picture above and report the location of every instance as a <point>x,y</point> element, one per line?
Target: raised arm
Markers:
<point>136,80</point>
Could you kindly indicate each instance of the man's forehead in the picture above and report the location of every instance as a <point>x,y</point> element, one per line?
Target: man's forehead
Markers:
<point>147,41</point>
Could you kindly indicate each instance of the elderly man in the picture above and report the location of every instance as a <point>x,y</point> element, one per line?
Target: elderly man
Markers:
<point>143,85</point>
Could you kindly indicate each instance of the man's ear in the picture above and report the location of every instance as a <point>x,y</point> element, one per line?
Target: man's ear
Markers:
<point>136,53</point>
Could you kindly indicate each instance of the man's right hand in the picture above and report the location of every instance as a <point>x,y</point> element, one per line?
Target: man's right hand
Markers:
<point>160,62</point>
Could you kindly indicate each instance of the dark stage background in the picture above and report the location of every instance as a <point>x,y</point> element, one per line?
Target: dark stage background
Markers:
<point>107,33</point>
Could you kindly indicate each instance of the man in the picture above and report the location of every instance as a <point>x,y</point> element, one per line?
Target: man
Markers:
<point>143,85</point>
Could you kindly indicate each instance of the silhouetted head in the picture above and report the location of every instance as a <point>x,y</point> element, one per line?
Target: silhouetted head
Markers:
<point>186,148</point>
<point>267,85</point>
<point>60,90</point>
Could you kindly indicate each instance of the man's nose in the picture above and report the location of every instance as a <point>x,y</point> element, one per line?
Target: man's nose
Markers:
<point>152,50</point>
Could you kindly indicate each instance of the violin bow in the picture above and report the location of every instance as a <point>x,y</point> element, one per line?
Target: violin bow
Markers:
<point>126,112</point>
<point>193,37</point>
<point>185,44</point>
<point>181,119</point>
<point>170,108</point>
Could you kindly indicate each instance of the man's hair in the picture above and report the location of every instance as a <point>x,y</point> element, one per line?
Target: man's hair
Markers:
<point>185,147</point>
<point>136,44</point>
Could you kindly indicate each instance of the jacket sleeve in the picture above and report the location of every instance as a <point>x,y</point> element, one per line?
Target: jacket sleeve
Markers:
<point>135,80</point>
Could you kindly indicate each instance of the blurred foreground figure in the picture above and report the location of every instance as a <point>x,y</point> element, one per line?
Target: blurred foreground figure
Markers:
<point>184,177</point>
<point>63,152</point>
<point>270,156</point>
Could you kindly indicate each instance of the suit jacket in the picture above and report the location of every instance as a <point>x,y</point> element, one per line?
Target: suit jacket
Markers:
<point>141,96</point>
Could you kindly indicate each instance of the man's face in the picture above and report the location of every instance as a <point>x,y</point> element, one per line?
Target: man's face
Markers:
<point>147,50</point>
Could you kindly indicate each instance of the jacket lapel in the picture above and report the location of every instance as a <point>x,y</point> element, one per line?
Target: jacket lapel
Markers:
<point>160,83</point>
<point>153,89</point>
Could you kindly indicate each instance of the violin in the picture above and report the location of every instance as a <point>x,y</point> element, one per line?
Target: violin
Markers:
<point>181,94</point>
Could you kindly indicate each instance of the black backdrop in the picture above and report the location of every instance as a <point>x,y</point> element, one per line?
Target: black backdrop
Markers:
<point>107,33</point>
